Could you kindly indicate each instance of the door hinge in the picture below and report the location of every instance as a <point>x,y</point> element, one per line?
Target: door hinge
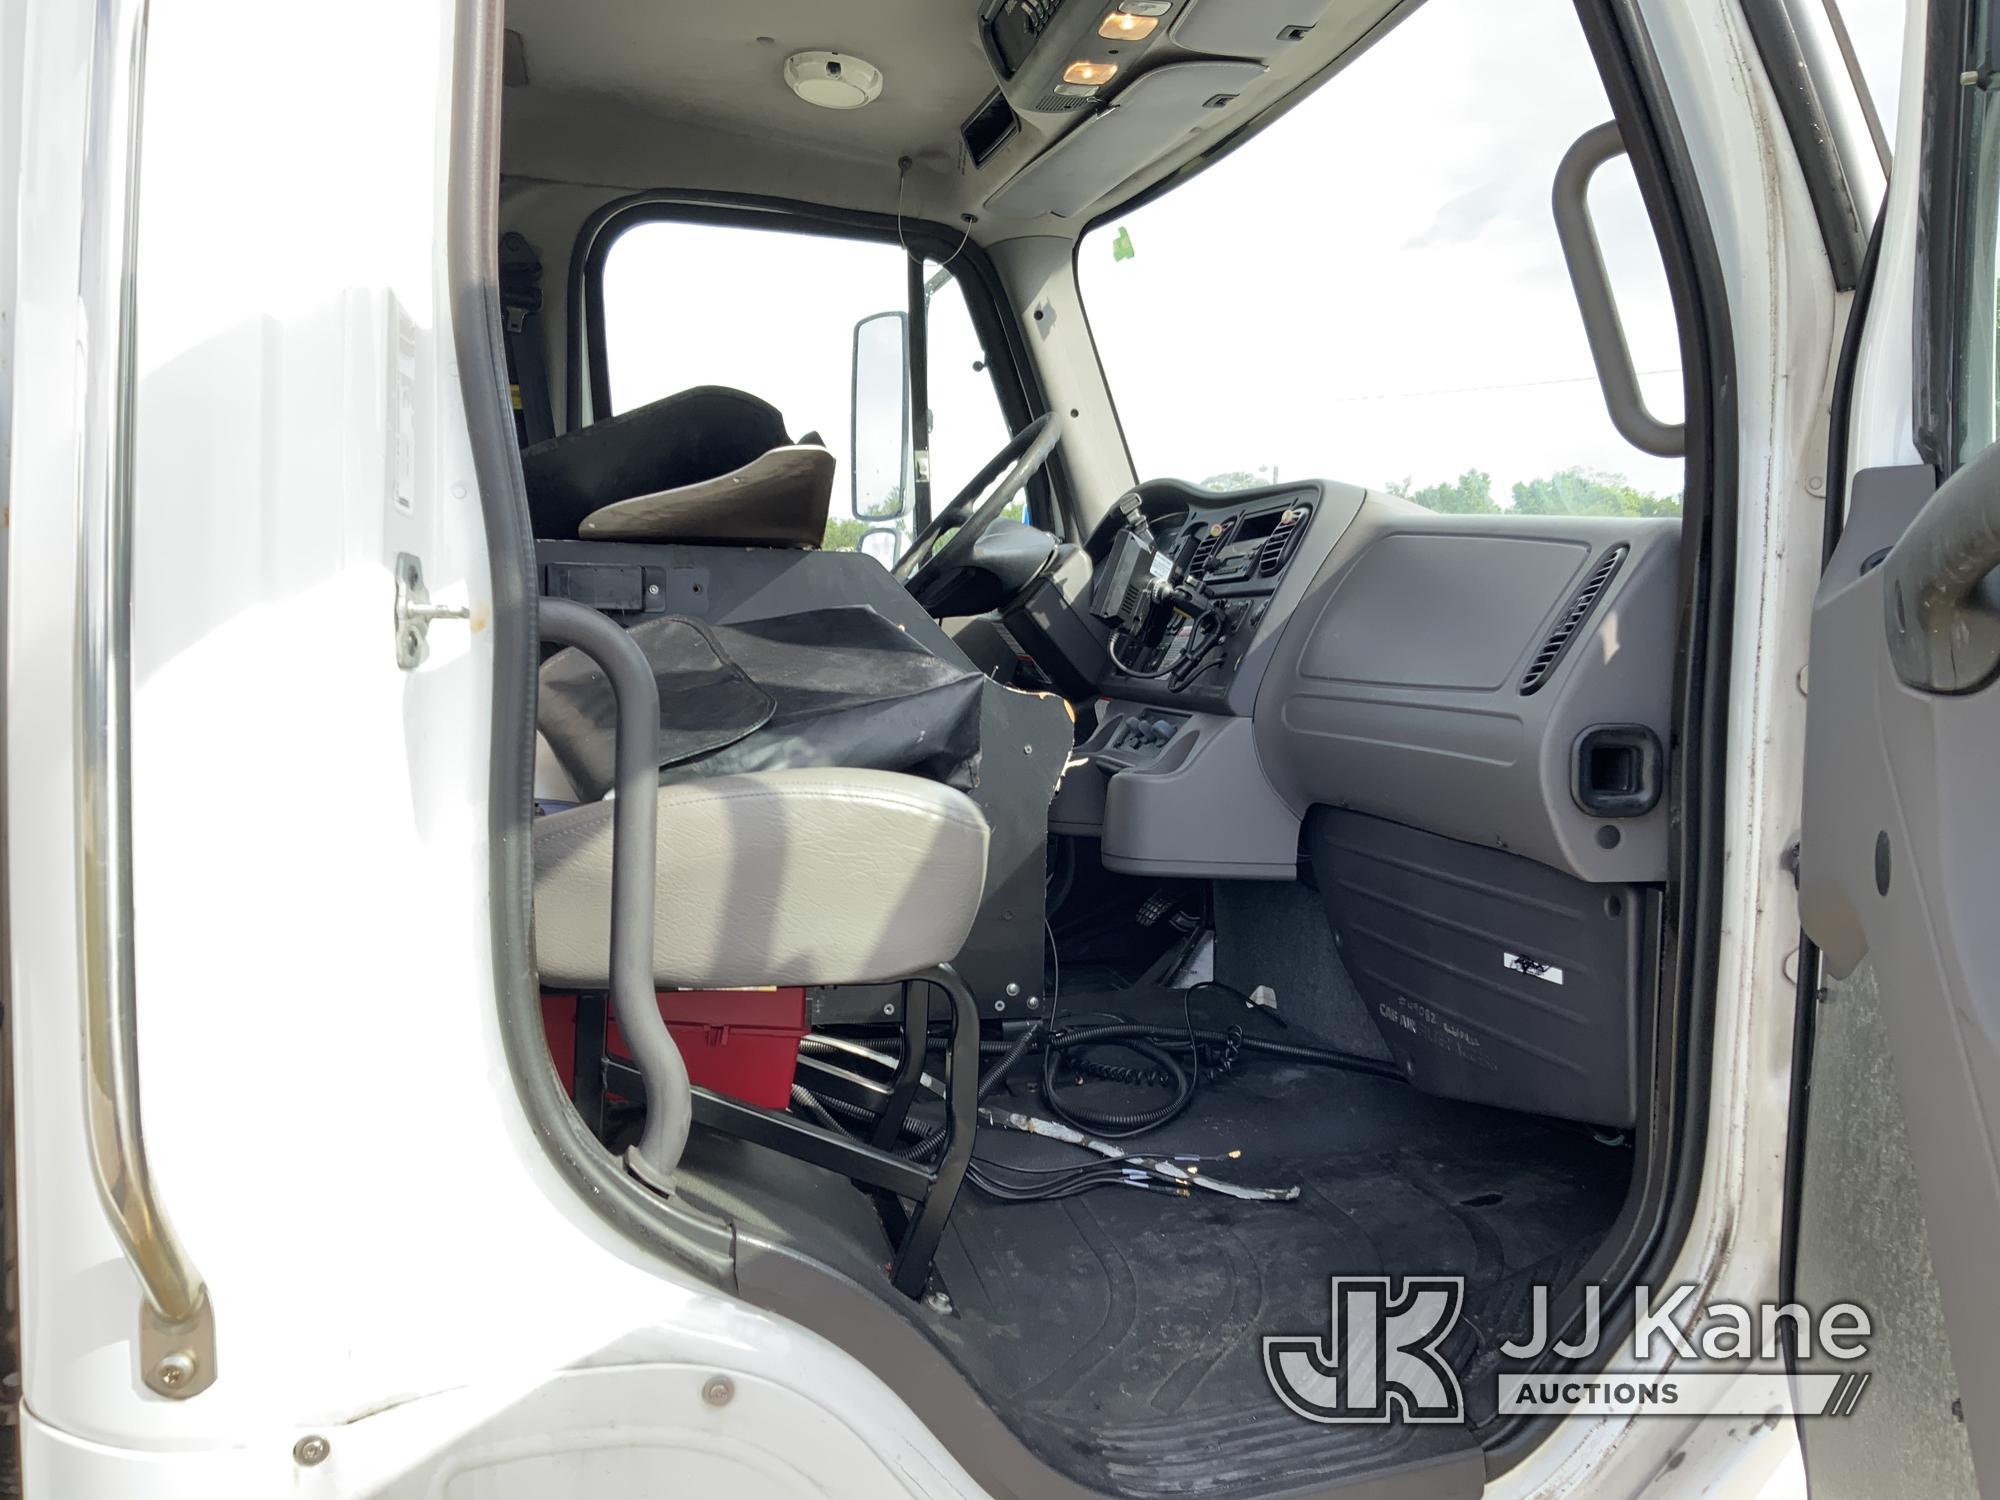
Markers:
<point>414,612</point>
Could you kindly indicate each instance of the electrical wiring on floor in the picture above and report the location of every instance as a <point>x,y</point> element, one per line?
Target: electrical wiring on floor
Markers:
<point>1090,1046</point>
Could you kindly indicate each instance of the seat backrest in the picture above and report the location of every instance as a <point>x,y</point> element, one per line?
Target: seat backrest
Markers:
<point>711,464</point>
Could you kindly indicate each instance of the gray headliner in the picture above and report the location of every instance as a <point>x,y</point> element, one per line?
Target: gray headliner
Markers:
<point>680,93</point>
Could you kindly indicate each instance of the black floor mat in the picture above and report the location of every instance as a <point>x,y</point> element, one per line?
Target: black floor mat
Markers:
<point>1118,1333</point>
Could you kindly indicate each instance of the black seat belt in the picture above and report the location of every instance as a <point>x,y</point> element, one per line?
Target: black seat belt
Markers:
<point>527,360</point>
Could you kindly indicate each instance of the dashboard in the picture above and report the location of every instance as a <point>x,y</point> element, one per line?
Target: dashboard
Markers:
<point>1251,551</point>
<point>1502,680</point>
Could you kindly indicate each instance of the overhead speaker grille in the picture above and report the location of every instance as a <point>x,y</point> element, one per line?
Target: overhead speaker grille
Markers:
<point>1053,103</point>
<point>1566,628</point>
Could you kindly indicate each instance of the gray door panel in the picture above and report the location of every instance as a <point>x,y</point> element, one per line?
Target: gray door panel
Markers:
<point>1900,862</point>
<point>1862,1239</point>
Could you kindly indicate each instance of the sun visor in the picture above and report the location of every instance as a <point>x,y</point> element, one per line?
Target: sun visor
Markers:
<point>1153,112</point>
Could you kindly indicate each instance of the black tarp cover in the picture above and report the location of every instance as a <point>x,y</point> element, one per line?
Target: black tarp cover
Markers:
<point>824,687</point>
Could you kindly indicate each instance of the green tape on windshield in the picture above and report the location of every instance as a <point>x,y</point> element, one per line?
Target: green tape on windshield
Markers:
<point>1121,247</point>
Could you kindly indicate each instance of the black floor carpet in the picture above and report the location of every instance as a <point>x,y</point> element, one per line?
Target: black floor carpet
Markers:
<point>1118,1333</point>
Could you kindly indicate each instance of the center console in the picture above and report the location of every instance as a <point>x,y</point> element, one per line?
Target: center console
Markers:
<point>1171,635</point>
<point>1189,592</point>
<point>1246,556</point>
<point>1177,794</point>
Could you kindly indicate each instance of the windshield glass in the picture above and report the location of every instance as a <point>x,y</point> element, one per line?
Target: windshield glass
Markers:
<point>1371,288</point>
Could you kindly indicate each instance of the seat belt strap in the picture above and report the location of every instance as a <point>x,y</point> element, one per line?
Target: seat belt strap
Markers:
<point>527,358</point>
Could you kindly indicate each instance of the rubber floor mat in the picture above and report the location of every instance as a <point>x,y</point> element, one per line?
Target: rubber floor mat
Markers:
<point>1119,1333</point>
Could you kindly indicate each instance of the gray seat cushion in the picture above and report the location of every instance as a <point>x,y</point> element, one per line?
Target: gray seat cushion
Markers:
<point>817,876</point>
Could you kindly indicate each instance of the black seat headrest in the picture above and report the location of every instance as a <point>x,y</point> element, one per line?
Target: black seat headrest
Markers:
<point>678,440</point>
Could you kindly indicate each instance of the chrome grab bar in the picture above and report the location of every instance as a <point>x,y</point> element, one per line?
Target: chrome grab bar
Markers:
<point>176,1322</point>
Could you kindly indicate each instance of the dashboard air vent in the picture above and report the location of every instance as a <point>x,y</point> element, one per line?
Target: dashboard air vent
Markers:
<point>1277,548</point>
<point>1572,618</point>
<point>1212,538</point>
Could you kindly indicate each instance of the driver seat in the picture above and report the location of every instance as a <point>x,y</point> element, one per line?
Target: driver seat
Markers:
<point>707,465</point>
<point>775,655</point>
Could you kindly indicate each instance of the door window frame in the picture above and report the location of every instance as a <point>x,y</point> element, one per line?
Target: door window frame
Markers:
<point>1051,503</point>
<point>1943,262</point>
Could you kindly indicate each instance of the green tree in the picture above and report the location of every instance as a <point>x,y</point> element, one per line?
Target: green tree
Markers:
<point>888,507</point>
<point>843,534</point>
<point>1242,479</point>
<point>1587,492</point>
<point>1471,494</point>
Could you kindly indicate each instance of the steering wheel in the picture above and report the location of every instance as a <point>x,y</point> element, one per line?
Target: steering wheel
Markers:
<point>927,569</point>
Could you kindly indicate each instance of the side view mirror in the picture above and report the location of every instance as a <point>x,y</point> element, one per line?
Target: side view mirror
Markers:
<point>880,432</point>
<point>882,543</point>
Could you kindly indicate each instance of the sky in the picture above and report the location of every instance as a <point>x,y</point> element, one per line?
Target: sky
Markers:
<point>1370,290</point>
<point>1409,315</point>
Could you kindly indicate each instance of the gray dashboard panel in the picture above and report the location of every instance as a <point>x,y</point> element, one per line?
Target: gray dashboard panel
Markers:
<point>1374,637</point>
<point>1393,685</point>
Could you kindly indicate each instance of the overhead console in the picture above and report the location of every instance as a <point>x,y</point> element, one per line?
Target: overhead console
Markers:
<point>1137,74</point>
<point>1059,56</point>
<point>1246,28</point>
<point>1110,146</point>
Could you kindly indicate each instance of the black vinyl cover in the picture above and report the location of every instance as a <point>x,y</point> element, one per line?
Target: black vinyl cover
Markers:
<point>824,687</point>
<point>1491,977</point>
<point>678,440</point>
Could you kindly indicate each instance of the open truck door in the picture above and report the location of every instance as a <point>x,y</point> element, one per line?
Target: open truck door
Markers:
<point>1900,849</point>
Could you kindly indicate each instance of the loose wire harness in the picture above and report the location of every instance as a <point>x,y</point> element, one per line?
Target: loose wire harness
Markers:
<point>1181,1060</point>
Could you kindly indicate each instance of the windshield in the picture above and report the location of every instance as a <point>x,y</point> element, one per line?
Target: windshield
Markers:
<point>1371,289</point>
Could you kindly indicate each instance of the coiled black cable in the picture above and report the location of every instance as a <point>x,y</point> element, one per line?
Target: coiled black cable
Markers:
<point>1143,1041</point>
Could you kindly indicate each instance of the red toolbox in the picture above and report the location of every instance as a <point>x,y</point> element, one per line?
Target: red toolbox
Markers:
<point>743,1043</point>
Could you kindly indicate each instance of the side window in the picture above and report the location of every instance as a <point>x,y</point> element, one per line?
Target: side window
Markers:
<point>1400,316</point>
<point>774,312</point>
<point>1976,383</point>
<point>1874,30</point>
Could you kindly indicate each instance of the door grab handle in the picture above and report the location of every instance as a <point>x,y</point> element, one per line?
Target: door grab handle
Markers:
<point>634,855</point>
<point>176,1321</point>
<point>1592,284</point>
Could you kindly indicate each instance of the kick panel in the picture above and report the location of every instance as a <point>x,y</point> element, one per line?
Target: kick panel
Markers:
<point>1491,978</point>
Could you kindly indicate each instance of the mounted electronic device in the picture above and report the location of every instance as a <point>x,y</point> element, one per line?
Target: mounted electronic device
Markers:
<point>1164,625</point>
